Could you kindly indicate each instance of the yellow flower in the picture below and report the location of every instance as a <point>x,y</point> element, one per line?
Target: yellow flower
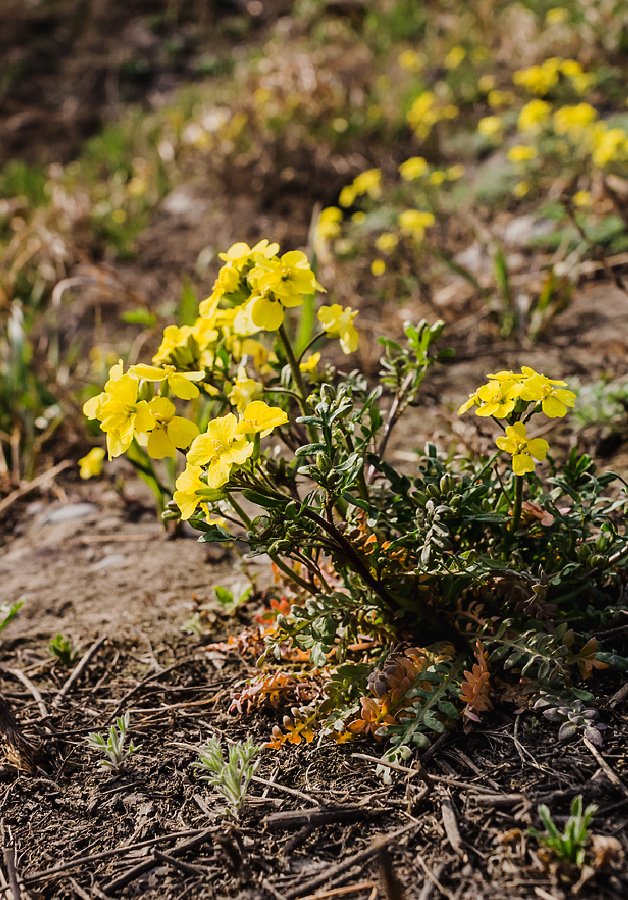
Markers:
<point>187,484</point>
<point>289,278</point>
<point>534,115</point>
<point>180,383</point>
<point>574,120</point>
<point>582,198</point>
<point>228,282</point>
<point>609,145</point>
<point>437,177</point>
<point>583,83</point>
<point>556,16</point>
<point>413,222</point>
<point>121,414</point>
<point>309,365</point>
<point>220,448</point>
<point>426,111</point>
<point>259,418</point>
<point>244,390</point>
<point>328,224</point>
<point>481,54</point>
<point>455,172</point>
<point>279,283</point>
<point>522,153</point>
<point>413,168</point>
<point>486,83</point>
<point>170,432</point>
<point>498,398</point>
<point>521,189</point>
<point>369,183</point>
<point>522,450</point>
<point>378,267</point>
<point>410,60</point>
<point>338,321</point>
<point>539,79</point>
<point>386,242</point>
<point>537,388</point>
<point>243,324</point>
<point>180,345</point>
<point>422,115</point>
<point>455,57</point>
<point>500,98</point>
<point>240,254</point>
<point>91,464</point>
<point>262,358</point>
<point>491,127</point>
<point>473,400</point>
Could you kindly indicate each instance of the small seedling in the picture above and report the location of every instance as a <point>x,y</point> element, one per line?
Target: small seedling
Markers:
<point>193,625</point>
<point>231,779</point>
<point>570,846</point>
<point>231,600</point>
<point>9,611</point>
<point>61,648</point>
<point>114,750</point>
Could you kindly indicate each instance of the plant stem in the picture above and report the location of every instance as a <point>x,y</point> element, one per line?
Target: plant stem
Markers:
<point>274,556</point>
<point>294,367</point>
<point>516,509</point>
<point>298,380</point>
<point>353,557</point>
<point>310,344</point>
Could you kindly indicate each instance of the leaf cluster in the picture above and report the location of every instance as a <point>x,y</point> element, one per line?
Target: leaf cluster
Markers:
<point>229,777</point>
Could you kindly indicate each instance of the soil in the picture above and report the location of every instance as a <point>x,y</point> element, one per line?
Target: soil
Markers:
<point>92,563</point>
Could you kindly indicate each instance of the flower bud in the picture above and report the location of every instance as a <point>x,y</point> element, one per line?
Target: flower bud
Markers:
<point>145,390</point>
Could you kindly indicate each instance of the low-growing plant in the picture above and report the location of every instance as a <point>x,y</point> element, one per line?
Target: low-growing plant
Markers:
<point>231,600</point>
<point>571,845</point>
<point>63,650</point>
<point>231,778</point>
<point>115,751</point>
<point>9,611</point>
<point>404,598</point>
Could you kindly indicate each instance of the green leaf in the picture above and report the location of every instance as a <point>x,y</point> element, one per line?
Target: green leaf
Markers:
<point>316,421</point>
<point>223,596</point>
<point>264,501</point>
<point>310,449</point>
<point>139,316</point>
<point>357,501</point>
<point>216,534</point>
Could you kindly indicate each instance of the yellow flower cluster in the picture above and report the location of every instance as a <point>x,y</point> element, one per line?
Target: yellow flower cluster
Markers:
<point>506,395</point>
<point>124,414</point>
<point>253,288</point>
<point>225,444</point>
<point>574,120</point>
<point>426,111</point>
<point>369,183</point>
<point>610,145</point>
<point>541,79</point>
<point>328,224</point>
<point>491,128</point>
<point>534,116</point>
<point>500,394</point>
<point>417,167</point>
<point>413,222</point>
<point>262,284</point>
<point>580,133</point>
